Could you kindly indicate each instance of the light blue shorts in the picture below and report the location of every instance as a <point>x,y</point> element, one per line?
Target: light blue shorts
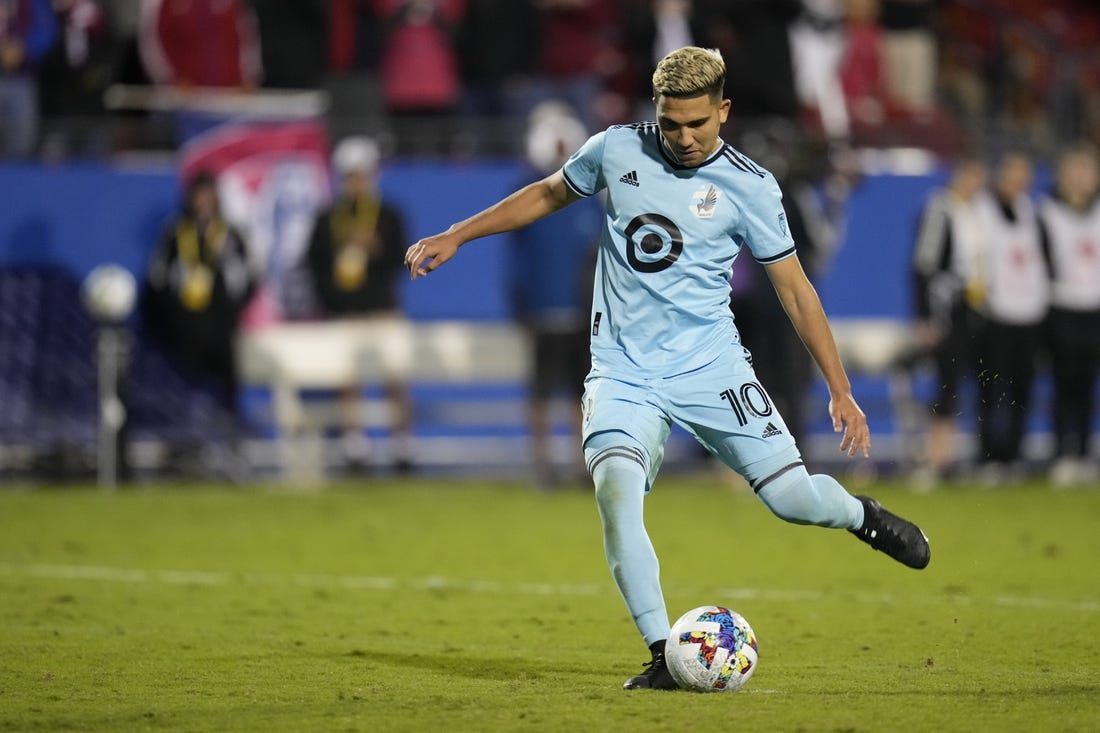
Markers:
<point>722,405</point>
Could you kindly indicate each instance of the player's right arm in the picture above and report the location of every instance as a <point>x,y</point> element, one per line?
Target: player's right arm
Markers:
<point>803,307</point>
<point>527,205</point>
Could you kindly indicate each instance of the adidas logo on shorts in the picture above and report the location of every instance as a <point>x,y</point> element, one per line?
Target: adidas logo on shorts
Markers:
<point>630,178</point>
<point>770,431</point>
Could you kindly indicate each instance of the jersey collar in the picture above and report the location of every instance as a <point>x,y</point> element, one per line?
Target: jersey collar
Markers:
<point>681,167</point>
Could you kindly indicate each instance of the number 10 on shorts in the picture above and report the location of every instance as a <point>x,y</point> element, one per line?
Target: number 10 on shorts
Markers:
<point>749,397</point>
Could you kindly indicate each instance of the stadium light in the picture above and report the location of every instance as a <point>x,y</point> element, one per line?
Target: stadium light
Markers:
<point>109,292</point>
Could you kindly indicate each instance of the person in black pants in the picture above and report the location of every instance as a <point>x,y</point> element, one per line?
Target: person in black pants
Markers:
<point>1070,219</point>
<point>949,234</point>
<point>1009,294</point>
<point>199,282</point>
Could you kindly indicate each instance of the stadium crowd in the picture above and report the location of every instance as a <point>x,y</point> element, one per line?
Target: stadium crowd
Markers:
<point>439,76</point>
<point>972,82</point>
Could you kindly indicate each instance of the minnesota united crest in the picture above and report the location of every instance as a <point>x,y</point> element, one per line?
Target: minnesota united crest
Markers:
<point>703,202</point>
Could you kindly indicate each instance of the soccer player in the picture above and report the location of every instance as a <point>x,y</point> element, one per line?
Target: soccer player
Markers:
<point>681,204</point>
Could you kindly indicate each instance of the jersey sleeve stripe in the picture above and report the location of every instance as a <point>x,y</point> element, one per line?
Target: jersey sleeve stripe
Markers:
<point>576,189</point>
<point>752,167</point>
<point>740,163</point>
<point>734,161</point>
<point>775,258</point>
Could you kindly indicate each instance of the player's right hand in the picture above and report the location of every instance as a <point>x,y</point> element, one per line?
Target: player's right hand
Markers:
<point>429,253</point>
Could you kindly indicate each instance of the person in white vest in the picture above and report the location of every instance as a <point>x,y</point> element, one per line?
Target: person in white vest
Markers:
<point>1010,294</point>
<point>950,232</point>
<point>1070,219</point>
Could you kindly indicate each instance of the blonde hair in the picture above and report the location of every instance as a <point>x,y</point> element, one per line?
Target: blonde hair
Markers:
<point>690,72</point>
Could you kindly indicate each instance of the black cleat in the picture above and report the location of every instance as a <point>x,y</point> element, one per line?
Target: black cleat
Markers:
<point>656,675</point>
<point>899,538</point>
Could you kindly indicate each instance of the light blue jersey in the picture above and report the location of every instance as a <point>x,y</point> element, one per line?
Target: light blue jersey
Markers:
<point>661,298</point>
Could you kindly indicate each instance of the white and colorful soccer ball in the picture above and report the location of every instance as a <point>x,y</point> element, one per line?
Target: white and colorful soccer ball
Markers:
<point>711,649</point>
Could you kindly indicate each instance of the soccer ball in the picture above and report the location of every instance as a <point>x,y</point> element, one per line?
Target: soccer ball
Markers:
<point>711,649</point>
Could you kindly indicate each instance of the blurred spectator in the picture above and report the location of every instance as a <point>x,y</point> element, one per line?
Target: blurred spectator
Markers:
<point>754,38</point>
<point>960,76</point>
<point>27,32</point>
<point>497,69</point>
<point>863,64</point>
<point>949,237</point>
<point>292,42</point>
<point>1072,79</point>
<point>73,78</point>
<point>130,129</point>
<point>420,69</point>
<point>199,282</point>
<point>200,43</point>
<point>671,29</point>
<point>579,52</point>
<point>817,45</point>
<point>356,254</point>
<point>1071,242</point>
<point>353,35</point>
<point>652,28</point>
<point>1010,294</point>
<point>1022,71</point>
<point>1016,76</point>
<point>910,45</point>
<point>550,274</point>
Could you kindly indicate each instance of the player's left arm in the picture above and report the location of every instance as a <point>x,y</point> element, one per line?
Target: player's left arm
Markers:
<point>803,307</point>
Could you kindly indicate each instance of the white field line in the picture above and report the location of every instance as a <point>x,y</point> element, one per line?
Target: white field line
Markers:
<point>110,574</point>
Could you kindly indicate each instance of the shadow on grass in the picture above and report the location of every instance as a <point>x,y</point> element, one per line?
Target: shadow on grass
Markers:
<point>455,663</point>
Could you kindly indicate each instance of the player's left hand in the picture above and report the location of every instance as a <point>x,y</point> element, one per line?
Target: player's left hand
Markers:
<point>849,418</point>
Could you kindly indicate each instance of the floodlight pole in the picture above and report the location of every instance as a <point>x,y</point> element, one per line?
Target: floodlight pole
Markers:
<point>112,354</point>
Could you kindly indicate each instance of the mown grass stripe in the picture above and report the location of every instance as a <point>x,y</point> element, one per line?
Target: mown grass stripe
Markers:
<point>433,582</point>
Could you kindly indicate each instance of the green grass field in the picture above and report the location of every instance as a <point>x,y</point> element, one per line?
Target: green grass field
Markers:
<point>472,606</point>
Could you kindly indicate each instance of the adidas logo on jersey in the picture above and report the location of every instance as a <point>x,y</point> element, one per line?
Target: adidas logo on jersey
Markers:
<point>630,178</point>
<point>770,431</point>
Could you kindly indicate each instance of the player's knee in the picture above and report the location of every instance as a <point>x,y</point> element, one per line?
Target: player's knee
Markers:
<point>800,498</point>
<point>610,494</point>
<point>614,451</point>
<point>617,474</point>
<point>791,496</point>
<point>618,468</point>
